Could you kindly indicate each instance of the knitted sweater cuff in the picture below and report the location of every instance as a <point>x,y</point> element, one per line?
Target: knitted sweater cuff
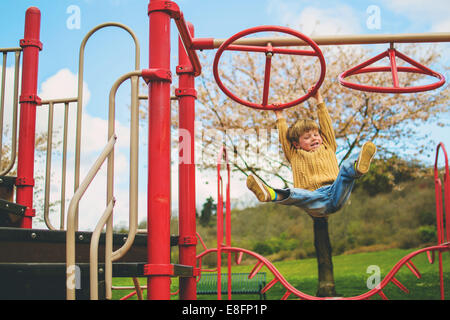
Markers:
<point>281,120</point>
<point>321,105</point>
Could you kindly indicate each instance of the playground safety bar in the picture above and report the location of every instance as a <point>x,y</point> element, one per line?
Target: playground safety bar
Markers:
<point>211,43</point>
<point>15,106</point>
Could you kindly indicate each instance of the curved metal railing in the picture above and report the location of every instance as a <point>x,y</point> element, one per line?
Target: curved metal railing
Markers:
<point>107,154</point>
<point>106,219</point>
<point>15,106</point>
<point>79,101</point>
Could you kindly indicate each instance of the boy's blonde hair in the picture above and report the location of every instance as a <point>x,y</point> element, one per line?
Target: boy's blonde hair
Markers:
<point>300,127</point>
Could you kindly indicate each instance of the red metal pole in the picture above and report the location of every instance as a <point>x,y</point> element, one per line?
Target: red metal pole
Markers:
<point>393,67</point>
<point>269,54</point>
<point>219,232</point>
<point>158,197</point>
<point>228,224</point>
<point>28,102</point>
<point>186,188</point>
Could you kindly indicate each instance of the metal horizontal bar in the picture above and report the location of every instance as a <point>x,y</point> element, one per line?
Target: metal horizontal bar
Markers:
<point>274,50</point>
<point>10,49</point>
<point>342,39</point>
<point>142,97</point>
<point>62,100</point>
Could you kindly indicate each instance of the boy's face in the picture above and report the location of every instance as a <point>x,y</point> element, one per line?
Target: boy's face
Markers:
<point>309,141</point>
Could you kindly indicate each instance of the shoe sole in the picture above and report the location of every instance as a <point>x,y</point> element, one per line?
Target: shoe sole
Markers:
<point>365,157</point>
<point>256,185</point>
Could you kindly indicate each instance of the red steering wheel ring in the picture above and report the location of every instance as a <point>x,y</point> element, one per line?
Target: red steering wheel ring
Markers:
<point>269,49</point>
<point>394,69</point>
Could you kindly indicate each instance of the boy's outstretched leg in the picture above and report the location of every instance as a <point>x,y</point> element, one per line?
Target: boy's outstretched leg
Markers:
<point>261,191</point>
<point>366,154</point>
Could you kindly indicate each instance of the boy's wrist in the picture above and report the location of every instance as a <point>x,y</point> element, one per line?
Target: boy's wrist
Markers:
<point>279,114</point>
<point>319,98</point>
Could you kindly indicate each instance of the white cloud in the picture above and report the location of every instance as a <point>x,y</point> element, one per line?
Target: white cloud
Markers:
<point>422,8</point>
<point>441,26</point>
<point>310,20</point>
<point>435,12</point>
<point>64,84</point>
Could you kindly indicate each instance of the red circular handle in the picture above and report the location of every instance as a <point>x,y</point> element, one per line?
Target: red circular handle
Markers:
<point>277,106</point>
<point>392,53</point>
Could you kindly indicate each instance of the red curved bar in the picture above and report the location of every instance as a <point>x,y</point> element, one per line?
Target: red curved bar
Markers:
<point>227,45</point>
<point>391,53</point>
<point>278,277</point>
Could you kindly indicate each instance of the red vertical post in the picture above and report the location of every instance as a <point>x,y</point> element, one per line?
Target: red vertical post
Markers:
<point>28,101</point>
<point>158,192</point>
<point>186,187</point>
<point>219,214</point>
<point>228,224</point>
<point>393,67</point>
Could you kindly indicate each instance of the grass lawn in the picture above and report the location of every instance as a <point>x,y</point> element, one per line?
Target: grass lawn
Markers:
<point>351,275</point>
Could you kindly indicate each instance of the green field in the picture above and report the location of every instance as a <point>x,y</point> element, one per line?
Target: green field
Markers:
<point>351,276</point>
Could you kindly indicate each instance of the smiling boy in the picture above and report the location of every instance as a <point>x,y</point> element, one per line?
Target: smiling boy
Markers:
<point>320,186</point>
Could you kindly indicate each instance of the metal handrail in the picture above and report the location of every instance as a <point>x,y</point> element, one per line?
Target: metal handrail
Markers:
<point>108,153</point>
<point>93,257</point>
<point>12,160</point>
<point>106,218</point>
<point>80,89</point>
<point>134,161</point>
<point>71,214</point>
<point>51,102</point>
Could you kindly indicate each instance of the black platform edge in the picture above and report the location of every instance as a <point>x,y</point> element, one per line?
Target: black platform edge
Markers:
<point>127,269</point>
<point>120,269</point>
<point>7,181</point>
<point>12,207</point>
<point>43,235</point>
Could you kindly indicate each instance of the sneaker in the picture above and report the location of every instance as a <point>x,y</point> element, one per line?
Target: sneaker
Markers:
<point>260,190</point>
<point>365,157</point>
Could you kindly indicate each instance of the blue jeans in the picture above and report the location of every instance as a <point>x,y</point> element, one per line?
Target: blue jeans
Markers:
<point>327,199</point>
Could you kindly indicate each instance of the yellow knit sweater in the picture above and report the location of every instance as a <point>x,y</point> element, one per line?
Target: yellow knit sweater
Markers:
<point>314,169</point>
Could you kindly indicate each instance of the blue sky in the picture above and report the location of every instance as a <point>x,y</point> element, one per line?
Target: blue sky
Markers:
<point>109,53</point>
